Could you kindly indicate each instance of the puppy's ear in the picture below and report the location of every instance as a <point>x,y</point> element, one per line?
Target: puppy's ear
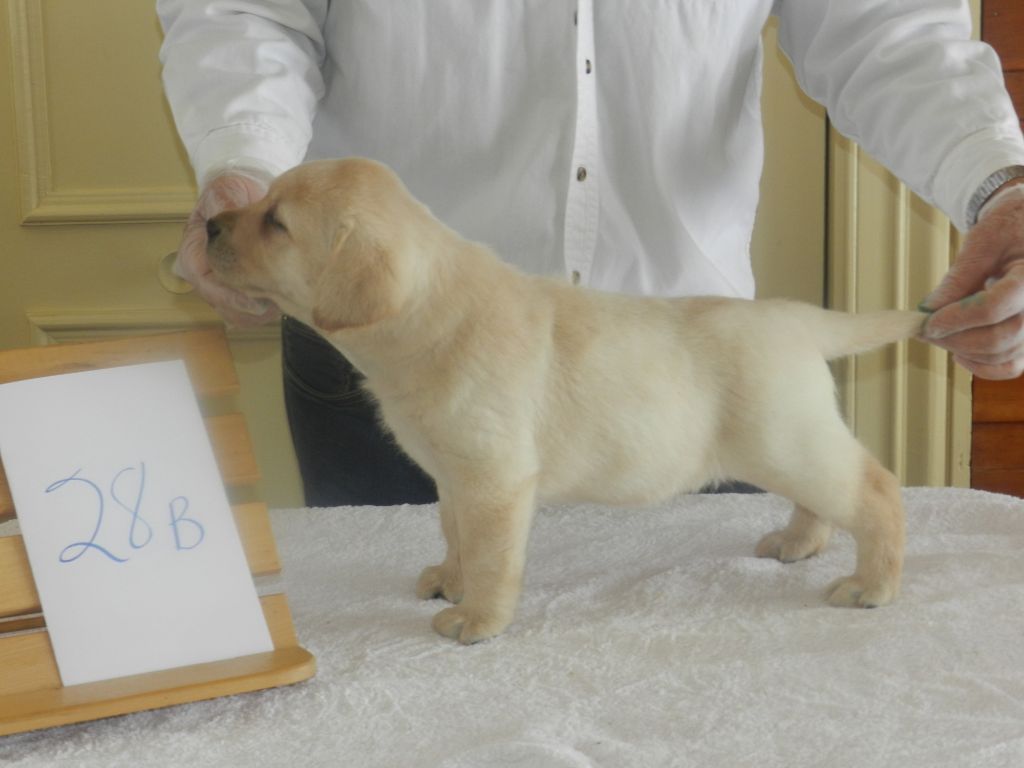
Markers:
<point>358,286</point>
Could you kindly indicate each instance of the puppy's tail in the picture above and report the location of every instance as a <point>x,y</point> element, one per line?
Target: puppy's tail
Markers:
<point>844,333</point>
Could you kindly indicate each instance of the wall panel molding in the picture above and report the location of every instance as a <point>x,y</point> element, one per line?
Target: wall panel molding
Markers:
<point>42,202</point>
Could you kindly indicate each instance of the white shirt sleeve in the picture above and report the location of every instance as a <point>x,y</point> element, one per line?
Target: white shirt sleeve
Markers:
<point>903,79</point>
<point>243,80</point>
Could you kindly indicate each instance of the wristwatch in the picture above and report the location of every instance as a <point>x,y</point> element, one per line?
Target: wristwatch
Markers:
<point>988,186</point>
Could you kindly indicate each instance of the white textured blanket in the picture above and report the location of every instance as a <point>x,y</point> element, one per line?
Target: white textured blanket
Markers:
<point>645,638</point>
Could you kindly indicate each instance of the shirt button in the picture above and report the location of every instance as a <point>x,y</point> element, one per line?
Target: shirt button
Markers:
<point>589,67</point>
<point>581,174</point>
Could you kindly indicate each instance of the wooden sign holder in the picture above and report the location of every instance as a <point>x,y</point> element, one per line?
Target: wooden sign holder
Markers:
<point>31,694</point>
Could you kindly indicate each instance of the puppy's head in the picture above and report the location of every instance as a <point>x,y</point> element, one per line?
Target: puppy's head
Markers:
<point>329,244</point>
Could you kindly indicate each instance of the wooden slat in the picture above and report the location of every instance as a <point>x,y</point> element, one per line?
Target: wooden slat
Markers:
<point>997,457</point>
<point>6,502</point>
<point>998,401</point>
<point>18,595</point>
<point>29,664</point>
<point>232,446</point>
<point>205,353</point>
<point>1002,27</point>
<point>997,446</point>
<point>31,696</point>
<point>1008,481</point>
<point>257,538</point>
<point>21,624</point>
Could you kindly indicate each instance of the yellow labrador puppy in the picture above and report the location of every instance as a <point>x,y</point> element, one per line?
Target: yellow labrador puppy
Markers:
<point>510,389</point>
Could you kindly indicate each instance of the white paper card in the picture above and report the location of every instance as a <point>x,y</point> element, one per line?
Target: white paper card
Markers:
<point>128,528</point>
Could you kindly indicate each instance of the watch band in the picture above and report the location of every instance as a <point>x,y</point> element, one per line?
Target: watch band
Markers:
<point>988,186</point>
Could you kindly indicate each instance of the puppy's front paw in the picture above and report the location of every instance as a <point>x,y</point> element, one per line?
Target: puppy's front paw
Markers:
<point>851,592</point>
<point>784,546</point>
<point>440,581</point>
<point>467,626</point>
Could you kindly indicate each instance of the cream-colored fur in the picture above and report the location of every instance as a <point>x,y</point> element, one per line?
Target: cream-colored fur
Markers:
<point>510,389</point>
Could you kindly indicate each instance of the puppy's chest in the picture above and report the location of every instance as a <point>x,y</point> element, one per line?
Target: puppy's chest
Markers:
<point>443,426</point>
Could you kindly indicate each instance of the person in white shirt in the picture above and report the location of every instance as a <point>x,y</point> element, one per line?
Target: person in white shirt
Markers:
<point>616,143</point>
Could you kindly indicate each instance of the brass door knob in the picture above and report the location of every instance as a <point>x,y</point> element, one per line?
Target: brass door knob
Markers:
<point>170,281</point>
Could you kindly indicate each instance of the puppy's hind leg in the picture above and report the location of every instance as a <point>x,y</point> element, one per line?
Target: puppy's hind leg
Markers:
<point>835,482</point>
<point>444,580</point>
<point>879,530</point>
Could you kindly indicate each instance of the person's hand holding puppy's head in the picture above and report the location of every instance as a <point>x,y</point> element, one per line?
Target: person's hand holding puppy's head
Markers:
<point>230,190</point>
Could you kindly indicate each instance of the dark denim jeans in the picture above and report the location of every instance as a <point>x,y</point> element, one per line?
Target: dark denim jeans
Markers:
<point>345,456</point>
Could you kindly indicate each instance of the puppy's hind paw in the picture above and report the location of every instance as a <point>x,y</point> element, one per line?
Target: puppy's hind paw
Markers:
<point>440,581</point>
<point>783,546</point>
<point>851,592</point>
<point>467,626</point>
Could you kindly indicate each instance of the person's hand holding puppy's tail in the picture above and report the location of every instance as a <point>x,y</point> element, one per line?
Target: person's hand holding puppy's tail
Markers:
<point>234,189</point>
<point>978,308</point>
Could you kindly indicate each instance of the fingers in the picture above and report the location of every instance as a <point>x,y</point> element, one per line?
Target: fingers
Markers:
<point>222,193</point>
<point>237,308</point>
<point>978,308</point>
<point>985,331</point>
<point>965,278</point>
<point>980,259</point>
<point>990,352</point>
<point>1001,301</point>
<point>990,250</point>
<point>247,320</point>
<point>1000,372</point>
<point>227,192</point>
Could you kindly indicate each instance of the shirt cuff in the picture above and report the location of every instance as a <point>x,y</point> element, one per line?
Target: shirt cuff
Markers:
<point>248,147</point>
<point>968,165</point>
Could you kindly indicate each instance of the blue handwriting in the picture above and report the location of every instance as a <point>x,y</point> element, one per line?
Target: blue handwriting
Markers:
<point>127,491</point>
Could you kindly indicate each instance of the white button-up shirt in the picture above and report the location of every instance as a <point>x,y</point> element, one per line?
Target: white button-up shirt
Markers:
<point>616,142</point>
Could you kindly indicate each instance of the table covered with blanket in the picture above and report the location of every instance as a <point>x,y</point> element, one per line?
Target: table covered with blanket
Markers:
<point>645,638</point>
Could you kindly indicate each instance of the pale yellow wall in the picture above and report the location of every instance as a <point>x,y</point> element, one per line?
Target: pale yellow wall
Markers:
<point>788,247</point>
<point>95,187</point>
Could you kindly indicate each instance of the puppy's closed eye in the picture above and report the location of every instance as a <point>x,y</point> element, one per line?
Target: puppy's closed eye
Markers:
<point>272,221</point>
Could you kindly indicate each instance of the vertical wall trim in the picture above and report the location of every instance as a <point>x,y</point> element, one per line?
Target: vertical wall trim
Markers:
<point>960,412</point>
<point>842,249</point>
<point>33,133</point>
<point>900,271</point>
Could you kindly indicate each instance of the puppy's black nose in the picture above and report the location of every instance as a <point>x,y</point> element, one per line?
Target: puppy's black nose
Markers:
<point>212,230</point>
